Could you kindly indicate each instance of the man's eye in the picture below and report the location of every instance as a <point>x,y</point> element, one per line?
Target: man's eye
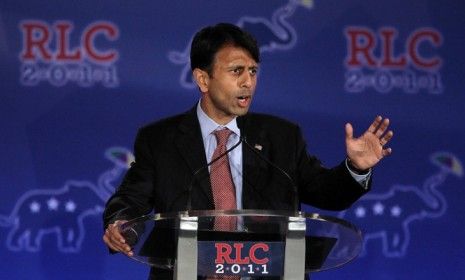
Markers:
<point>237,70</point>
<point>253,71</point>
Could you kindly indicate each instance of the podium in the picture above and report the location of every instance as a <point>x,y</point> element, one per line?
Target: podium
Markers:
<point>277,244</point>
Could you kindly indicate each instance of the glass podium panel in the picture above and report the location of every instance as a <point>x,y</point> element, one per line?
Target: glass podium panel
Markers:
<point>259,245</point>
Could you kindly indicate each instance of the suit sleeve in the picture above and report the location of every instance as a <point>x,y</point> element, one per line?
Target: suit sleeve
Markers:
<point>134,197</point>
<point>328,189</point>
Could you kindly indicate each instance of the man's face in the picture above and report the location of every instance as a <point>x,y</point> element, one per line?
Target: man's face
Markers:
<point>228,91</point>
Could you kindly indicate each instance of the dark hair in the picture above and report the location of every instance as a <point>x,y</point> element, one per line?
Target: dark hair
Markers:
<point>208,41</point>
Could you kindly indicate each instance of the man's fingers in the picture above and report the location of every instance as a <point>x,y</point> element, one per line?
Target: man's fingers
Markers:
<point>375,124</point>
<point>115,240</point>
<point>386,137</point>
<point>349,131</point>
<point>382,128</point>
<point>115,233</point>
<point>110,244</point>
<point>112,238</point>
<point>387,152</point>
<point>115,244</point>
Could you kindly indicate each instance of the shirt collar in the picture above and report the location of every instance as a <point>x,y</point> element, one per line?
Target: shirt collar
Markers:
<point>207,125</point>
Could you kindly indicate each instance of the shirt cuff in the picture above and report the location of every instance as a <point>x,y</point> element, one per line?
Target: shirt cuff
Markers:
<point>362,179</point>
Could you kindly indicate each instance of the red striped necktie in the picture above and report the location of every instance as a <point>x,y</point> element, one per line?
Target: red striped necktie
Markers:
<point>224,194</point>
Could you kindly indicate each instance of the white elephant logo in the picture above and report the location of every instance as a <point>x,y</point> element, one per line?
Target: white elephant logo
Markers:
<point>61,211</point>
<point>388,216</point>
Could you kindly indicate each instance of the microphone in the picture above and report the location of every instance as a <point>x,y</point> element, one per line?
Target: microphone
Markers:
<point>241,123</point>
<point>194,175</point>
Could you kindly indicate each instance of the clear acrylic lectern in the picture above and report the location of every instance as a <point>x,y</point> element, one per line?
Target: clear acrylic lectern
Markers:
<point>277,244</point>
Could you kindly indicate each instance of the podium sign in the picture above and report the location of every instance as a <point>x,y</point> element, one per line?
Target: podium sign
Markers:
<point>239,258</point>
<point>265,243</point>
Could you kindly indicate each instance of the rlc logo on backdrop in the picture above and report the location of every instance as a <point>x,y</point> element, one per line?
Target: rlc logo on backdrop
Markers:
<point>374,62</point>
<point>272,35</point>
<point>388,216</point>
<point>48,54</point>
<point>61,212</point>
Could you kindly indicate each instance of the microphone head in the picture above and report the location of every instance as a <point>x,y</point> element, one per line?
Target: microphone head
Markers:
<point>240,120</point>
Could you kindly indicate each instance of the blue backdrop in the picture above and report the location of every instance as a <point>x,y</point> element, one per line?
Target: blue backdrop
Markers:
<point>78,78</point>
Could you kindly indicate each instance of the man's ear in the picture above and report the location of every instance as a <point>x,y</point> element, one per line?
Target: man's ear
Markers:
<point>202,79</point>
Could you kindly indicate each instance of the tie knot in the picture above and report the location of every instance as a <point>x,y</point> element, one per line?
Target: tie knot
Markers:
<point>222,136</point>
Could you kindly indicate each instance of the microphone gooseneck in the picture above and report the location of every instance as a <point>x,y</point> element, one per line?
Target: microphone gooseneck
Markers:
<point>194,175</point>
<point>282,171</point>
<point>241,123</point>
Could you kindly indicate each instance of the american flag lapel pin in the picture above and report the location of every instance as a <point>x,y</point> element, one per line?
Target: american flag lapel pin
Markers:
<point>258,147</point>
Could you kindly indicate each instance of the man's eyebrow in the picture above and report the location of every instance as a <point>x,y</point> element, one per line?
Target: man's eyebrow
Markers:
<point>236,66</point>
<point>241,66</point>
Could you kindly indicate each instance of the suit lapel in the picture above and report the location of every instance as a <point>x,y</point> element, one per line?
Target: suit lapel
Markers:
<point>190,146</point>
<point>254,167</point>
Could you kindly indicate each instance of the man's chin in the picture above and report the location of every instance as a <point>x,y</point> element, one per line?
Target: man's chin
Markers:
<point>241,112</point>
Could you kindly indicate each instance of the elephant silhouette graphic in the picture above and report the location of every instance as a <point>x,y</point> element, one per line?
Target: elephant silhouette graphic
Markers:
<point>271,35</point>
<point>62,211</point>
<point>388,216</point>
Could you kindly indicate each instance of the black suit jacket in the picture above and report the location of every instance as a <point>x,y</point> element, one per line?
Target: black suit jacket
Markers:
<point>170,151</point>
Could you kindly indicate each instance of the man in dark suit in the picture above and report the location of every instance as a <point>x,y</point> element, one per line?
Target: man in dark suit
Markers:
<point>171,171</point>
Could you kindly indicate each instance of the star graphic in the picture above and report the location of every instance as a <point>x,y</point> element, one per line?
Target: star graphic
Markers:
<point>34,207</point>
<point>360,212</point>
<point>396,211</point>
<point>70,206</point>
<point>52,204</point>
<point>378,209</point>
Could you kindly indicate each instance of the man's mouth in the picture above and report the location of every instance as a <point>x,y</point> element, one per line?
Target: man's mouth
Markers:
<point>244,100</point>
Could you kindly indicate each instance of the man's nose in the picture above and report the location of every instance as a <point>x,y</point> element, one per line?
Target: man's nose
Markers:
<point>247,80</point>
